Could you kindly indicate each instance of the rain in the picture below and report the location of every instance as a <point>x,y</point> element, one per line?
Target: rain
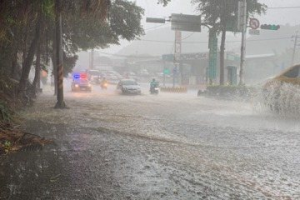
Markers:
<point>159,99</point>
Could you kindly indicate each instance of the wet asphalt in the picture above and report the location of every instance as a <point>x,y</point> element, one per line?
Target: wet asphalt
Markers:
<point>166,146</point>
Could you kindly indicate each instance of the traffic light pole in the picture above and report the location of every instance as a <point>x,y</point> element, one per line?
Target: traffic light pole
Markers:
<point>243,45</point>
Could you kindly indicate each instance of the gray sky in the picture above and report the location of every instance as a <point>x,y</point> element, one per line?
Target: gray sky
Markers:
<point>273,16</point>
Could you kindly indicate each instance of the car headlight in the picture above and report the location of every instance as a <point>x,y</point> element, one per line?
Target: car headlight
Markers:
<point>89,85</point>
<point>76,85</point>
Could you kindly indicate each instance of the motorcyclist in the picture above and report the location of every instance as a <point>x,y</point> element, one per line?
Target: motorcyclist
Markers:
<point>153,84</point>
<point>103,83</point>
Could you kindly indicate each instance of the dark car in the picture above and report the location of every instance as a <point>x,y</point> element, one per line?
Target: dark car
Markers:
<point>81,85</point>
<point>129,86</point>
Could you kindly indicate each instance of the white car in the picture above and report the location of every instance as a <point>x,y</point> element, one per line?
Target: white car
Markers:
<point>129,86</point>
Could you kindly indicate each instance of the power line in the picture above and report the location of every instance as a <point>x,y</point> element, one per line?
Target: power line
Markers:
<point>205,42</point>
<point>155,27</point>
<point>194,42</point>
<point>188,36</point>
<point>274,8</point>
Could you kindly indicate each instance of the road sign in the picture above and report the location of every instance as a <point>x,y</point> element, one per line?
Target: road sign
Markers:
<point>155,20</point>
<point>213,56</point>
<point>270,27</point>
<point>241,15</point>
<point>254,32</point>
<point>191,23</point>
<point>254,23</point>
<point>231,24</point>
<point>166,71</point>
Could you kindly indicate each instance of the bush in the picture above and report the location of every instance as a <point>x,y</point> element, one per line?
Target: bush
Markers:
<point>229,91</point>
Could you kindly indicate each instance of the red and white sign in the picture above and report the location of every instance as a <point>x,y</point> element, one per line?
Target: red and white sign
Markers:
<point>254,23</point>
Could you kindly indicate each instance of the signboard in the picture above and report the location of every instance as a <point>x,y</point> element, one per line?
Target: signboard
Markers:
<point>191,23</point>
<point>166,71</point>
<point>155,20</point>
<point>185,57</point>
<point>231,24</point>
<point>168,57</point>
<point>241,15</point>
<point>213,56</point>
<point>254,23</point>
<point>232,57</point>
<point>254,32</point>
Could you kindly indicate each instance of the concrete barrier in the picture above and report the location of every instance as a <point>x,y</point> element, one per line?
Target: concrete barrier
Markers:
<point>174,89</point>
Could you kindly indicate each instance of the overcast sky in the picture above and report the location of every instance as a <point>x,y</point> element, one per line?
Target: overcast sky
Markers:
<point>283,15</point>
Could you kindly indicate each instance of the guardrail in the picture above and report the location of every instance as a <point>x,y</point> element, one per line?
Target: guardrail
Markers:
<point>174,89</point>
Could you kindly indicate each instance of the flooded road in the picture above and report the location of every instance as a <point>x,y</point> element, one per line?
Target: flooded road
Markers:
<point>166,146</point>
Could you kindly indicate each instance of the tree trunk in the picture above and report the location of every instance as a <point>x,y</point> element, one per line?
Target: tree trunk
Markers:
<point>14,54</point>
<point>59,57</point>
<point>222,55</point>
<point>14,64</point>
<point>54,69</point>
<point>29,59</point>
<point>37,76</point>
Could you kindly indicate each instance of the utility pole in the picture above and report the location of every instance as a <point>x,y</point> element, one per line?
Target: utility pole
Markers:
<point>59,57</point>
<point>92,59</point>
<point>179,22</point>
<point>242,25</point>
<point>177,53</point>
<point>295,47</point>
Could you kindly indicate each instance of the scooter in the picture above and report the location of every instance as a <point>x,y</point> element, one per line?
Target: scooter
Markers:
<point>104,86</point>
<point>154,90</point>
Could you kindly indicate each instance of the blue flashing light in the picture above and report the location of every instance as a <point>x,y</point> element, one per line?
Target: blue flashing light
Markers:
<point>76,76</point>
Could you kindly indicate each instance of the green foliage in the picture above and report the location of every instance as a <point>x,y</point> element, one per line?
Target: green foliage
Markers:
<point>229,91</point>
<point>7,144</point>
<point>5,112</point>
<point>83,32</point>
<point>125,18</point>
<point>164,2</point>
<point>217,11</point>
<point>48,8</point>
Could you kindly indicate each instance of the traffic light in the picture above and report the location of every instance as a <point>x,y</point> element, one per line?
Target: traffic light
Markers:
<point>270,27</point>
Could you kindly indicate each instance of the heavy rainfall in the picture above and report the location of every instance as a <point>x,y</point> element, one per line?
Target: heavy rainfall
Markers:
<point>160,99</point>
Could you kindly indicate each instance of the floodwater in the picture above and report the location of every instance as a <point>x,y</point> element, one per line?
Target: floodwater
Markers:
<point>166,146</point>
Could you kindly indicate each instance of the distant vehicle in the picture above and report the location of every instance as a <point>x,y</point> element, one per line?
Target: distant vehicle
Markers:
<point>271,89</point>
<point>144,72</point>
<point>94,76</point>
<point>80,82</point>
<point>112,77</point>
<point>104,84</point>
<point>131,75</point>
<point>129,86</point>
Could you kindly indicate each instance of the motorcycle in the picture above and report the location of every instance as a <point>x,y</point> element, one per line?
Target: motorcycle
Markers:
<point>154,90</point>
<point>104,85</point>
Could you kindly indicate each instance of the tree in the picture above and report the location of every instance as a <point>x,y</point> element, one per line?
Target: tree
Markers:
<point>86,24</point>
<point>217,14</point>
